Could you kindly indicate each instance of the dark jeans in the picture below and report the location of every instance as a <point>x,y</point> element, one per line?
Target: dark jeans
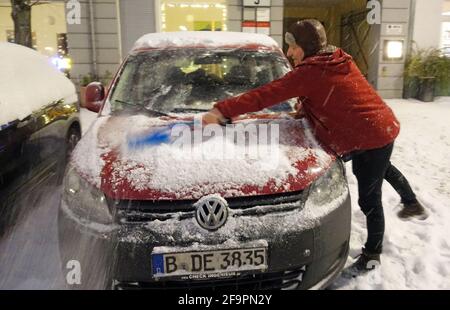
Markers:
<point>400,184</point>
<point>371,167</point>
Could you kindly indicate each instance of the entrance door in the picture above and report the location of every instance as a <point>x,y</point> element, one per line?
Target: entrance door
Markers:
<point>355,32</point>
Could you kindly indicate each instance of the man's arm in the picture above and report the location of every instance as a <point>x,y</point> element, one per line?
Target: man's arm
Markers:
<point>270,94</point>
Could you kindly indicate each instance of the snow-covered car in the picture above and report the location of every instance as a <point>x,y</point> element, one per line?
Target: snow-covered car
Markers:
<point>155,215</point>
<point>39,125</point>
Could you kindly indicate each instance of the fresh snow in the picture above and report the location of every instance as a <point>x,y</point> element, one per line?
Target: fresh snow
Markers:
<point>203,39</point>
<point>28,82</point>
<point>87,118</point>
<point>187,171</point>
<point>195,247</point>
<point>416,253</point>
<point>238,226</point>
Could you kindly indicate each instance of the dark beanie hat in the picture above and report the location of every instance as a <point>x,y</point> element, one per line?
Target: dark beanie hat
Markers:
<point>310,35</point>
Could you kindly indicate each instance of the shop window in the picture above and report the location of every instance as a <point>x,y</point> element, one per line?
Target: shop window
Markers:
<point>10,37</point>
<point>48,21</point>
<point>189,15</point>
<point>61,39</point>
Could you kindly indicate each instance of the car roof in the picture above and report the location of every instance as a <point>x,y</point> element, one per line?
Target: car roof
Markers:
<point>211,39</point>
<point>29,82</point>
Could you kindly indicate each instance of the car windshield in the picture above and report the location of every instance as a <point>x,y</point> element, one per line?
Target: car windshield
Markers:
<point>191,80</point>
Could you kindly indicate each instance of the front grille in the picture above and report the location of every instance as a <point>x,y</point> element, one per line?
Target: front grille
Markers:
<point>290,279</point>
<point>244,202</point>
<point>148,210</point>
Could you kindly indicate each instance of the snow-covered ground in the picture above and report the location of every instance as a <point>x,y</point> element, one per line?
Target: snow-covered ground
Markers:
<point>416,254</point>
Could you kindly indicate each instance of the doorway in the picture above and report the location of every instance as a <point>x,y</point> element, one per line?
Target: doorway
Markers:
<point>344,22</point>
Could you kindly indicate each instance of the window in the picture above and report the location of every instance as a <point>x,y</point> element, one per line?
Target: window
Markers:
<point>190,15</point>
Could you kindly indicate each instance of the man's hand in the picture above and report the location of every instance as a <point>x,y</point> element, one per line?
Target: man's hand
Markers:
<point>213,117</point>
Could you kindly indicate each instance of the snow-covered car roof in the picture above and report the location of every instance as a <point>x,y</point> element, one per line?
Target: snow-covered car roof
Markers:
<point>203,39</point>
<point>28,82</point>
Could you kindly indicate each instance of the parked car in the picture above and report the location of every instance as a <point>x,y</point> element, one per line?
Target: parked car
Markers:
<point>156,216</point>
<point>39,126</point>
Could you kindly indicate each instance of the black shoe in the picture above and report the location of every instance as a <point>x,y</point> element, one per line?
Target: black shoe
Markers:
<point>366,262</point>
<point>413,210</point>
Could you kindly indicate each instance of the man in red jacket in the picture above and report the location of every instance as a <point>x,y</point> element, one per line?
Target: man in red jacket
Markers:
<point>346,114</point>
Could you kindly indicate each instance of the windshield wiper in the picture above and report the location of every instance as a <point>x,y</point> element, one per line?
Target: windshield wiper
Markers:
<point>126,103</point>
<point>141,108</point>
<point>183,110</point>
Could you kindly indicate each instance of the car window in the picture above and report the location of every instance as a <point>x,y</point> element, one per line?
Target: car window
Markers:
<point>193,79</point>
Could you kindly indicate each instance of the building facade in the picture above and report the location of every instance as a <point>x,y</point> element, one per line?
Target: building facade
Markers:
<point>378,34</point>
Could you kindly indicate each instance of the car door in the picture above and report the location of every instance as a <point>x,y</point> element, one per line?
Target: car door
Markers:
<point>18,161</point>
<point>53,122</point>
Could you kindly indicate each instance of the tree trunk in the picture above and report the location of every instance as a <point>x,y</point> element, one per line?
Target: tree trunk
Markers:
<point>21,15</point>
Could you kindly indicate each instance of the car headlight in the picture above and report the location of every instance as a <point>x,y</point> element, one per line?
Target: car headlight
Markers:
<point>328,187</point>
<point>84,200</point>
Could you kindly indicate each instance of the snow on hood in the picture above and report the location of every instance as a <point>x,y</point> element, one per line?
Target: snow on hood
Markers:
<point>28,82</point>
<point>167,171</point>
<point>203,38</point>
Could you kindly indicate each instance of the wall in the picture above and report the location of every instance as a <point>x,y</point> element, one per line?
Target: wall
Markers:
<point>390,72</point>
<point>427,23</point>
<point>47,20</point>
<point>137,17</point>
<point>107,40</point>
<point>234,18</point>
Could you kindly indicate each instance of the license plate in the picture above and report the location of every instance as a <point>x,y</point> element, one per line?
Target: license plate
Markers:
<point>217,263</point>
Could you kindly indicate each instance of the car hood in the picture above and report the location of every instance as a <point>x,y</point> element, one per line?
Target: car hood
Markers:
<point>198,163</point>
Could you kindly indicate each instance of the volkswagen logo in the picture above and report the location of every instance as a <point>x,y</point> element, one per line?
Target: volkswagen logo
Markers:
<point>211,212</point>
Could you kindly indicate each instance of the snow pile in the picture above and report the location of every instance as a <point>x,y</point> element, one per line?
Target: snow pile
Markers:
<point>188,171</point>
<point>28,81</point>
<point>203,39</point>
<point>173,169</point>
<point>416,253</point>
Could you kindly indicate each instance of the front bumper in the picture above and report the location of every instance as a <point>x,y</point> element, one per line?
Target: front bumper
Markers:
<point>306,249</point>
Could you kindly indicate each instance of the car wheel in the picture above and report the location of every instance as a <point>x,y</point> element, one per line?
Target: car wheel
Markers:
<point>72,139</point>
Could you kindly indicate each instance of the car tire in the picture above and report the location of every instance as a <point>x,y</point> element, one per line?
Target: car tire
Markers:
<point>72,138</point>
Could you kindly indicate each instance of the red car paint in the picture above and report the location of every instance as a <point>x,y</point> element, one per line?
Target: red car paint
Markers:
<point>124,190</point>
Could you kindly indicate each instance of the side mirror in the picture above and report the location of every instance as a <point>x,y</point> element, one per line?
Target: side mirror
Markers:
<point>95,93</point>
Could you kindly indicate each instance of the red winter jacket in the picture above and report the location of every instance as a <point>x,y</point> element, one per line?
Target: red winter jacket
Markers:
<point>345,111</point>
